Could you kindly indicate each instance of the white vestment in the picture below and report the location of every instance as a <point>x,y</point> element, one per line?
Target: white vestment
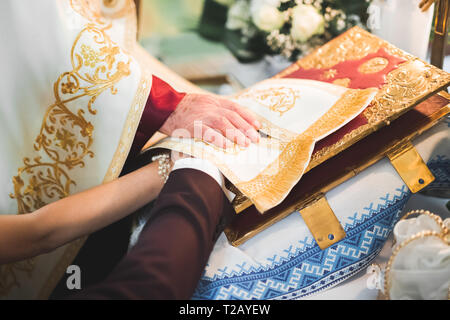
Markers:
<point>72,91</point>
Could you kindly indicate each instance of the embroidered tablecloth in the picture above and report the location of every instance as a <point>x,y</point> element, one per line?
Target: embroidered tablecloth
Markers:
<point>284,262</point>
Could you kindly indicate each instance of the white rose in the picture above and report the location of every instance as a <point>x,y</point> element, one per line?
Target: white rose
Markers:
<point>238,15</point>
<point>267,17</point>
<point>306,22</point>
<point>227,3</point>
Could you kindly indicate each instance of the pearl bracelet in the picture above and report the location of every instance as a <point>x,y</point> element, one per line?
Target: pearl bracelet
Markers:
<point>164,165</point>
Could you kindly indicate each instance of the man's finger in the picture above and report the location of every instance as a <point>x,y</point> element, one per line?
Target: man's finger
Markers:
<point>212,136</point>
<point>229,131</point>
<point>242,125</point>
<point>243,112</point>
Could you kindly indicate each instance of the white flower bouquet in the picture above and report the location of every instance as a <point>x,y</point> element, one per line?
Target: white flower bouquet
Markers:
<point>287,27</point>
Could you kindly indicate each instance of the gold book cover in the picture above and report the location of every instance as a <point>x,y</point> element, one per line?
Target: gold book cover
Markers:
<point>358,59</point>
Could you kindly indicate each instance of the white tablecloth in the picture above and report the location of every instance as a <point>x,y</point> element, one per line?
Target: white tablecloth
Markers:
<point>284,262</point>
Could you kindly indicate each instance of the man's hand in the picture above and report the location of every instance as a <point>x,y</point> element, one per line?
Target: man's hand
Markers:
<point>212,119</point>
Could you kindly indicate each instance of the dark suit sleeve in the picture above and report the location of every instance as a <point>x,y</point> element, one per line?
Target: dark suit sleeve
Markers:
<point>174,246</point>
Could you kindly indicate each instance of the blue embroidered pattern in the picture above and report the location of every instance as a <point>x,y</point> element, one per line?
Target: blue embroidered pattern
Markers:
<point>306,269</point>
<point>440,167</point>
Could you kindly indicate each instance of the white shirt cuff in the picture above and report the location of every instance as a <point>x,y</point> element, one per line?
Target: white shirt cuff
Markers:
<point>207,167</point>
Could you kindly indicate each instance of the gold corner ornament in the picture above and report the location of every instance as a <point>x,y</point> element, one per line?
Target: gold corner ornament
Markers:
<point>322,222</point>
<point>410,166</point>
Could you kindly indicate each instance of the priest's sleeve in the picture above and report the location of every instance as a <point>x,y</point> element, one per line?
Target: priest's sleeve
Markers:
<point>174,247</point>
<point>162,101</point>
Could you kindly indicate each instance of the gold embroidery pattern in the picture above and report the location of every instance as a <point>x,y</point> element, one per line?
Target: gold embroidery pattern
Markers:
<point>104,12</point>
<point>271,186</point>
<point>350,103</point>
<point>330,74</point>
<point>268,190</point>
<point>66,136</point>
<point>373,65</point>
<point>123,9</point>
<point>344,82</point>
<point>280,100</point>
<point>138,104</point>
<point>405,87</point>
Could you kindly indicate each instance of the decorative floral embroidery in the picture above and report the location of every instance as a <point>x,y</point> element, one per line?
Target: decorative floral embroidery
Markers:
<point>280,100</point>
<point>66,135</point>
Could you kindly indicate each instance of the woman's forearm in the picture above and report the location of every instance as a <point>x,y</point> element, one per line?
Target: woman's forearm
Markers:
<point>89,211</point>
<point>23,236</point>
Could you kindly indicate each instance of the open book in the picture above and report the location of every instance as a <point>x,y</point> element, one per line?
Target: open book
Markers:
<point>309,101</point>
<point>294,114</point>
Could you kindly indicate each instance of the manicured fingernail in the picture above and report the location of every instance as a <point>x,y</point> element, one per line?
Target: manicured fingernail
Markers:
<point>243,142</point>
<point>257,124</point>
<point>254,136</point>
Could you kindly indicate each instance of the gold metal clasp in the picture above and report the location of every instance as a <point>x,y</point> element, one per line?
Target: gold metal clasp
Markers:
<point>322,222</point>
<point>410,166</point>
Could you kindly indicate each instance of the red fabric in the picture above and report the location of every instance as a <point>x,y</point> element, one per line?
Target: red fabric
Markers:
<point>339,134</point>
<point>161,102</point>
<point>349,70</point>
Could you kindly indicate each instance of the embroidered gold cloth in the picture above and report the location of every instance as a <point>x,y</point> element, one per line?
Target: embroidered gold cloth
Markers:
<point>295,114</point>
